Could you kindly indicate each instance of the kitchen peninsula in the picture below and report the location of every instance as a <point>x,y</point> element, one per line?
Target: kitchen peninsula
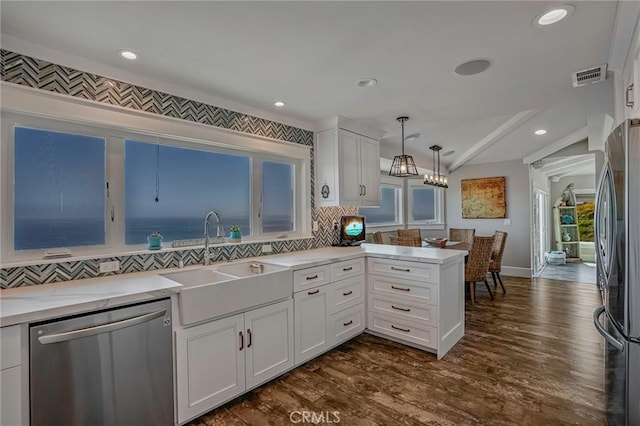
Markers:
<point>410,295</point>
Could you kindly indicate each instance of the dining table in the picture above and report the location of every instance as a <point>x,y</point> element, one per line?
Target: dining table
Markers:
<point>451,245</point>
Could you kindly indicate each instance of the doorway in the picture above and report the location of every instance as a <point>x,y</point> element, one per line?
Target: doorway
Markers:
<point>540,216</point>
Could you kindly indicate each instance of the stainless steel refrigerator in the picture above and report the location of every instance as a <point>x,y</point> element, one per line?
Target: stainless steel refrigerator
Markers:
<point>617,234</point>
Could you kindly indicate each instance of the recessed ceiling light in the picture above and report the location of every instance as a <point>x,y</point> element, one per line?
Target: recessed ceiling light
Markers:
<point>540,132</point>
<point>279,104</point>
<point>551,16</point>
<point>127,54</point>
<point>367,82</point>
<point>448,153</point>
<point>412,137</point>
<point>475,66</point>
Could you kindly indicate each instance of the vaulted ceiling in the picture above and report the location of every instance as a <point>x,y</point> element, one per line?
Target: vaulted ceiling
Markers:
<point>246,55</point>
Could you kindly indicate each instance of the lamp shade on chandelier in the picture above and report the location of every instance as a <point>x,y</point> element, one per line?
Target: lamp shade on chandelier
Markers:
<point>403,165</point>
<point>435,179</point>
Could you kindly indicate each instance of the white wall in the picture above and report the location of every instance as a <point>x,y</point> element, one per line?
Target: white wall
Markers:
<point>580,183</point>
<point>518,252</point>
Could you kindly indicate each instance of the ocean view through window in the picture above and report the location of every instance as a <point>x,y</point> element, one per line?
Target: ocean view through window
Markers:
<point>187,183</point>
<point>59,189</point>
<point>389,211</point>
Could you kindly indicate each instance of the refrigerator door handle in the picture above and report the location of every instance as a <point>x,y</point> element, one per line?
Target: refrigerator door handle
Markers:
<point>608,337</point>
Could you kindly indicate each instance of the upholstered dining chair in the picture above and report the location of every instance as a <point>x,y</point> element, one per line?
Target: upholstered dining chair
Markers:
<point>407,241</point>
<point>478,264</point>
<point>462,235</point>
<point>377,237</point>
<point>408,233</point>
<point>495,266</point>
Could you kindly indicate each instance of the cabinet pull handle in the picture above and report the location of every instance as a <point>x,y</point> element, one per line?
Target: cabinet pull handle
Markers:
<point>401,269</point>
<point>348,293</point>
<point>365,189</point>
<point>241,341</point>
<point>347,323</point>
<point>250,337</point>
<point>406,330</point>
<point>347,269</point>
<point>400,288</point>
<point>628,102</point>
<point>313,292</point>
<point>400,309</point>
<point>313,277</point>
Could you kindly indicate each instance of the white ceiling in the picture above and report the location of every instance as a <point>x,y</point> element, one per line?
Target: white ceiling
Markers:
<point>310,54</point>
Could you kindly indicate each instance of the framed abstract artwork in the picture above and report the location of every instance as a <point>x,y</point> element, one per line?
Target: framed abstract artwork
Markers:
<point>484,198</point>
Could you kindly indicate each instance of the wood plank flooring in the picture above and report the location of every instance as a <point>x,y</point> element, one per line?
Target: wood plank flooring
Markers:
<point>530,357</point>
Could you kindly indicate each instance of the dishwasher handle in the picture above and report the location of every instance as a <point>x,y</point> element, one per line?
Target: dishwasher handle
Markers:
<point>99,329</point>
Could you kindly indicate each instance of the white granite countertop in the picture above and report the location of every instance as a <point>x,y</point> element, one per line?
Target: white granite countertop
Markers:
<point>310,258</point>
<point>42,302</point>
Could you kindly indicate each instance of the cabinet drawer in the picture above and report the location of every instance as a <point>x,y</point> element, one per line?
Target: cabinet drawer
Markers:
<point>347,269</point>
<point>345,294</point>
<point>427,293</point>
<point>10,345</point>
<point>310,277</point>
<point>424,272</point>
<point>346,324</point>
<point>405,307</point>
<point>401,328</point>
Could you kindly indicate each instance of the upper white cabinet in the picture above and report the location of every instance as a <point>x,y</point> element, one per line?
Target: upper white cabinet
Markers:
<point>347,165</point>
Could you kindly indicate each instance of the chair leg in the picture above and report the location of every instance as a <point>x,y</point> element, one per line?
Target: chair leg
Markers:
<point>472,291</point>
<point>488,288</point>
<point>495,284</point>
<point>501,285</point>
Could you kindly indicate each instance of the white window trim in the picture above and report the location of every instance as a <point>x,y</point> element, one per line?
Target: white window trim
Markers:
<point>52,111</point>
<point>439,221</point>
<point>396,183</point>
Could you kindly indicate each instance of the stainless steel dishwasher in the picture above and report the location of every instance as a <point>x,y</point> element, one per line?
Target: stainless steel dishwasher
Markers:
<point>112,367</point>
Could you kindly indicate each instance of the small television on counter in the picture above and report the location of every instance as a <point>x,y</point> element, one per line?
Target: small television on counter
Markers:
<point>352,230</point>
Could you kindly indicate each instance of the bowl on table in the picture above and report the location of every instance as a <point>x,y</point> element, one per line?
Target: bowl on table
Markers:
<point>437,242</point>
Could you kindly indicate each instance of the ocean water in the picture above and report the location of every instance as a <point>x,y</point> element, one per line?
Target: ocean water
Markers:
<point>37,234</point>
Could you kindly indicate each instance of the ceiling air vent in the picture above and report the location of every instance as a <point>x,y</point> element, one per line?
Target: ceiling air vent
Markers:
<point>589,76</point>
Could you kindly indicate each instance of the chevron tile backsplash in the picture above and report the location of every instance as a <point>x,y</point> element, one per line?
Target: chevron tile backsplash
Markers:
<point>24,70</point>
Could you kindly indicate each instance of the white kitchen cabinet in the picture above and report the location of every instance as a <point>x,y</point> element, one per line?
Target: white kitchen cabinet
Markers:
<point>210,365</point>
<point>331,313</point>
<point>14,400</point>
<point>416,302</point>
<point>269,339</point>
<point>347,168</point>
<point>311,334</point>
<point>219,360</point>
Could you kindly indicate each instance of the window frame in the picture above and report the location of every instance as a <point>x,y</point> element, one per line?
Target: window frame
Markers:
<point>438,200</point>
<point>98,121</point>
<point>397,184</point>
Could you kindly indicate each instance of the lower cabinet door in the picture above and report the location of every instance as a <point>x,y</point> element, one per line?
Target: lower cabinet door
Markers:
<point>11,395</point>
<point>269,340</point>
<point>346,324</point>
<point>210,365</point>
<point>311,334</point>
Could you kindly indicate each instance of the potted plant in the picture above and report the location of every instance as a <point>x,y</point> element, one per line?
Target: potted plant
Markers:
<point>235,234</point>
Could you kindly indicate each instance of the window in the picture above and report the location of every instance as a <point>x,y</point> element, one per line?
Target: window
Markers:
<point>170,189</point>
<point>425,204</point>
<point>277,197</point>
<point>390,210</point>
<point>93,189</point>
<point>59,189</point>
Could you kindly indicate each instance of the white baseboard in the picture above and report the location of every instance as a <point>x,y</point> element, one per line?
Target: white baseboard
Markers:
<point>515,271</point>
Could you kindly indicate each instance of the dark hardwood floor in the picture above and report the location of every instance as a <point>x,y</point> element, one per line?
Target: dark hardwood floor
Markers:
<point>530,357</point>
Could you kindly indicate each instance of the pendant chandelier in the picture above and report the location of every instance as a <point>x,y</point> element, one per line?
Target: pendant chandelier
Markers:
<point>403,165</point>
<point>436,179</point>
